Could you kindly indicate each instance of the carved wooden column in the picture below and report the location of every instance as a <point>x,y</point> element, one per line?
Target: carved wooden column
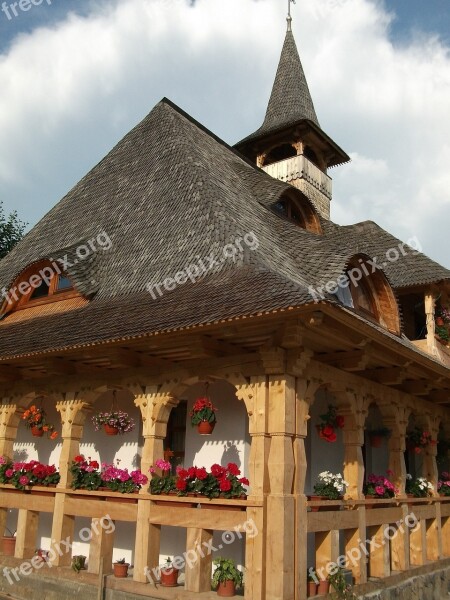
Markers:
<point>73,414</point>
<point>280,584</point>
<point>155,404</point>
<point>305,392</point>
<point>10,414</point>
<point>353,406</point>
<point>73,411</point>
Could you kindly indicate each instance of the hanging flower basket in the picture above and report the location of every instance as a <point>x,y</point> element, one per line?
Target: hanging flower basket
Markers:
<point>36,420</point>
<point>113,422</point>
<point>110,430</point>
<point>418,439</point>
<point>205,428</point>
<point>330,422</point>
<point>203,415</point>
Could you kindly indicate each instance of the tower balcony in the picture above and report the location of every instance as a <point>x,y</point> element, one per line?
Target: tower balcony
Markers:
<point>299,167</point>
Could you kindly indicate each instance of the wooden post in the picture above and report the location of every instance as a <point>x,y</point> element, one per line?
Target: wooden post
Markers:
<point>305,391</point>
<point>198,564</point>
<point>353,538</point>
<point>445,528</point>
<point>62,533</point>
<point>9,423</point>
<point>27,526</point>
<point>400,544</point>
<point>397,447</point>
<point>100,549</point>
<point>327,550</point>
<point>353,408</point>
<point>280,584</point>
<point>379,560</point>
<point>418,544</point>
<point>147,547</point>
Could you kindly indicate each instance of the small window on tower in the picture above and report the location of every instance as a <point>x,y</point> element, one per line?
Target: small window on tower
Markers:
<point>280,153</point>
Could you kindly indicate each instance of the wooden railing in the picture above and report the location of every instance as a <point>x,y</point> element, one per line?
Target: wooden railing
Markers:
<point>200,517</point>
<point>379,537</point>
<point>299,167</point>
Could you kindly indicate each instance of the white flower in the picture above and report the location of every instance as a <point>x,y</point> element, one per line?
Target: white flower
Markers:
<point>408,476</point>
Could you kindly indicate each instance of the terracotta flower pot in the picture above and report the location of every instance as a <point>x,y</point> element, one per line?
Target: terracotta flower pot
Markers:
<point>323,588</point>
<point>205,427</point>
<point>120,570</point>
<point>321,508</point>
<point>9,545</point>
<point>312,589</point>
<point>36,432</point>
<point>169,576</point>
<point>110,430</point>
<point>226,589</point>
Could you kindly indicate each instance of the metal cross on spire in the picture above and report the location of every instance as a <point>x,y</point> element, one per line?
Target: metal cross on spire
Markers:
<point>289,18</point>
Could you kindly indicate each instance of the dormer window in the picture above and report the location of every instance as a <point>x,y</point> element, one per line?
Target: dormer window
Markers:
<point>40,283</point>
<point>296,208</point>
<point>370,294</point>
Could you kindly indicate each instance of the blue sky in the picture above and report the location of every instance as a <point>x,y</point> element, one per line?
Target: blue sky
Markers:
<point>411,17</point>
<point>77,75</point>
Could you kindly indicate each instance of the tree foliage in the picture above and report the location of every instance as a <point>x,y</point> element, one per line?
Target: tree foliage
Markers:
<point>11,231</point>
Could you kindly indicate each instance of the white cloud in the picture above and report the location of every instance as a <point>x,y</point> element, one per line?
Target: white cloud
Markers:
<point>70,92</point>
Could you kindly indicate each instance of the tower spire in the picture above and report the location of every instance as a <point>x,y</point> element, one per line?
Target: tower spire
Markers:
<point>289,17</point>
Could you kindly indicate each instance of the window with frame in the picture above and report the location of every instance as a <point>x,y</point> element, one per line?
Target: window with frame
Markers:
<point>299,211</point>
<point>41,283</point>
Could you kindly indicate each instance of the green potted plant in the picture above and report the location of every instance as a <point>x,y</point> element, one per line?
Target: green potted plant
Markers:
<point>85,474</point>
<point>379,487</point>
<point>203,415</point>
<point>168,574</point>
<point>377,435</point>
<point>343,589</point>
<point>120,568</point>
<point>444,484</point>
<point>329,486</point>
<point>312,582</point>
<point>227,577</point>
<point>418,488</point>
<point>78,562</point>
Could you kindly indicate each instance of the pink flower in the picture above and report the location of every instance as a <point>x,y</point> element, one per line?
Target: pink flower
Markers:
<point>379,490</point>
<point>2,460</point>
<point>23,480</point>
<point>9,473</point>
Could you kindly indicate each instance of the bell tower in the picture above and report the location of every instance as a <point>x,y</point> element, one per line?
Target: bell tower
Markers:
<point>290,145</point>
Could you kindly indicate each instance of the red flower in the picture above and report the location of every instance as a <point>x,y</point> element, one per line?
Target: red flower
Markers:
<point>182,473</point>
<point>217,470</point>
<point>201,474</point>
<point>417,450</point>
<point>181,485</point>
<point>79,458</point>
<point>233,469</point>
<point>192,472</point>
<point>244,481</point>
<point>225,485</point>
<point>94,464</point>
<point>340,421</point>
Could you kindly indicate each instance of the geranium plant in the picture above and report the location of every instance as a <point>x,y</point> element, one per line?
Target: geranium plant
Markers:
<point>444,484</point>
<point>118,419</point>
<point>121,480</point>
<point>219,482</point>
<point>36,418</point>
<point>161,484</point>
<point>330,421</point>
<point>226,570</point>
<point>330,486</point>
<point>24,475</point>
<point>85,473</point>
<point>442,320</point>
<point>203,410</point>
<point>379,486</point>
<point>418,439</point>
<point>419,488</point>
